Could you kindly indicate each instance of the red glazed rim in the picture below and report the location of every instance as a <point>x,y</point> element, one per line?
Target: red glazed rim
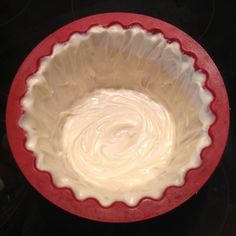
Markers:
<point>119,211</point>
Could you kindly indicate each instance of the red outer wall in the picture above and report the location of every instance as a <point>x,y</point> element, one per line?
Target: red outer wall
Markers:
<point>119,212</point>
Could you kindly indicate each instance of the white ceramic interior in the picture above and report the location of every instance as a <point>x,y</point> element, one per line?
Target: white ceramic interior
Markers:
<point>169,114</point>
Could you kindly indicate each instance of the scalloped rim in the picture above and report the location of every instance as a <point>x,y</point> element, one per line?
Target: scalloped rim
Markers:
<point>108,20</point>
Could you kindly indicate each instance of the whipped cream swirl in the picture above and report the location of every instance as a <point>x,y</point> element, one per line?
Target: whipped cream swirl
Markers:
<point>116,138</point>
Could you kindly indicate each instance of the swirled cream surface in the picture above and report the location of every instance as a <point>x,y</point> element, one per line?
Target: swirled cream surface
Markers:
<point>117,138</point>
<point>117,114</point>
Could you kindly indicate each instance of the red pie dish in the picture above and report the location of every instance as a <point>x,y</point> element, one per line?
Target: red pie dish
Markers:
<point>149,157</point>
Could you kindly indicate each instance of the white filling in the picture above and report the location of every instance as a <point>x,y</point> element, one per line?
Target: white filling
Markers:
<point>117,114</point>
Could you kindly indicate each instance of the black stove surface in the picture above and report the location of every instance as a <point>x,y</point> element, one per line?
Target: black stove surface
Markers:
<point>23,24</point>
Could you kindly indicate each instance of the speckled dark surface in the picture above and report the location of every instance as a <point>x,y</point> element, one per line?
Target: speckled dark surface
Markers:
<point>24,23</point>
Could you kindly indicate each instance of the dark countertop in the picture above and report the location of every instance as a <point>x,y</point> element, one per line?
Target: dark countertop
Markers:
<point>24,23</point>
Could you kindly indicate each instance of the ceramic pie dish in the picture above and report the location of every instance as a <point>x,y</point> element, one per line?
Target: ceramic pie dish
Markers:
<point>116,117</point>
